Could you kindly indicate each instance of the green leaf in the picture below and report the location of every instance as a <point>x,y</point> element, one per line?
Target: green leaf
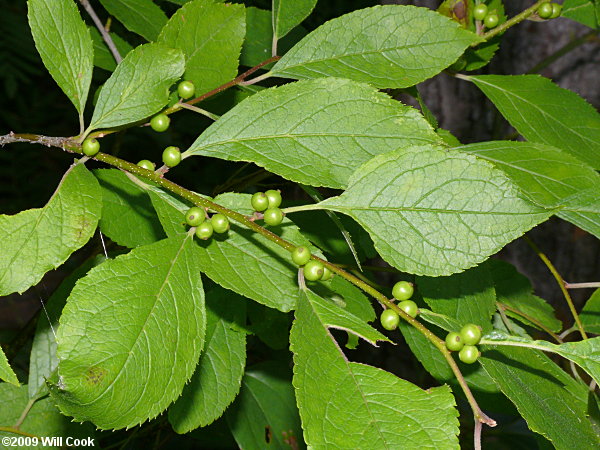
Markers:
<point>269,325</point>
<point>313,132</point>
<point>42,359</point>
<point>217,378</point>
<point>552,403</point>
<point>43,419</point>
<point>128,217</point>
<point>103,58</point>
<point>6,372</point>
<point>265,415</point>
<point>138,87</point>
<point>258,44</point>
<point>548,177</point>
<point>582,11</point>
<point>38,240</point>
<point>434,212</point>
<point>243,261</point>
<point>515,291</point>
<point>386,411</point>
<point>590,315</point>
<point>586,353</point>
<point>545,113</point>
<point>468,297</point>
<point>386,46</point>
<point>143,17</point>
<point>130,335</point>
<point>64,43</point>
<point>210,35</point>
<point>287,14</point>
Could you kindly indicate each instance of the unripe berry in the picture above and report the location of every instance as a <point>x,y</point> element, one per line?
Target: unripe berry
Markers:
<point>273,216</point>
<point>403,290</point>
<point>145,164</point>
<point>160,122</point>
<point>204,230</point>
<point>327,274</point>
<point>195,216</point>
<point>470,334</point>
<point>313,270</point>
<point>491,20</point>
<point>545,10</point>
<point>301,255</point>
<point>274,198</point>
<point>220,223</point>
<point>454,342</point>
<point>469,354</point>
<point>389,319</point>
<point>556,10</point>
<point>409,307</point>
<point>259,201</point>
<point>171,156</point>
<point>480,11</point>
<point>90,147</point>
<point>186,89</point>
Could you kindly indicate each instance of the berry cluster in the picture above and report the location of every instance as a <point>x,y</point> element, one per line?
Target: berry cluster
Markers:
<point>403,291</point>
<point>313,269</point>
<point>464,342</point>
<point>490,18</point>
<point>549,10</point>
<point>196,217</point>
<point>268,203</point>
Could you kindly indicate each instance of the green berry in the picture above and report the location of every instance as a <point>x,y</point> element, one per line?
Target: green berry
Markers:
<point>491,20</point>
<point>220,223</point>
<point>186,89</point>
<point>313,270</point>
<point>454,342</point>
<point>204,230</point>
<point>145,164</point>
<point>556,10</point>
<point>480,11</point>
<point>545,10</point>
<point>327,274</point>
<point>468,354</point>
<point>259,201</point>
<point>273,216</point>
<point>301,255</point>
<point>90,147</point>
<point>389,319</point>
<point>160,122</point>
<point>409,307</point>
<point>470,334</point>
<point>274,198</point>
<point>171,156</point>
<point>403,290</point>
<point>195,216</point>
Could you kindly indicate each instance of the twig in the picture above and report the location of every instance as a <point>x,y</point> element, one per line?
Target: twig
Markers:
<point>561,284</point>
<point>199,111</point>
<point>587,37</point>
<point>105,35</point>
<point>200,201</point>
<point>533,320</point>
<point>592,284</point>
<point>512,21</point>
